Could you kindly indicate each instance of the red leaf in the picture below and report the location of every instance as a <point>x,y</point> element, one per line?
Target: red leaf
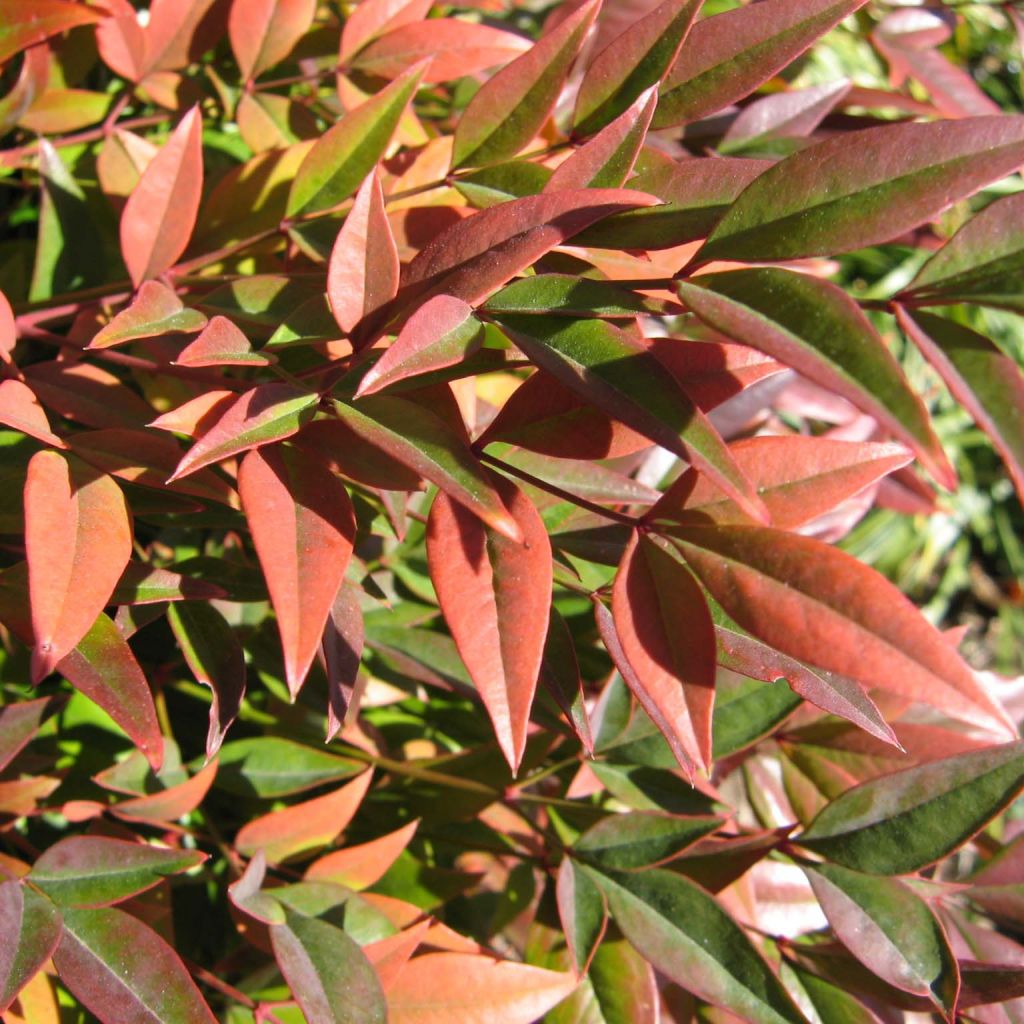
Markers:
<point>440,987</point>
<point>495,594</point>
<point>27,22</point>
<point>269,412</point>
<point>822,606</point>
<point>359,867</point>
<point>668,637</point>
<point>168,805</point>
<point>372,18</point>
<point>607,160</point>
<point>264,32</point>
<point>303,528</point>
<point>8,330</point>
<point>455,48</point>
<point>197,415</point>
<point>154,311</point>
<point>442,332</point>
<point>87,394</point>
<point>784,115</point>
<point>18,725</point>
<point>472,258</point>
<point>20,409</point>
<point>78,539</point>
<point>161,211</point>
<point>363,271</point>
<point>221,343</point>
<point>30,925</point>
<point>304,826</point>
<point>342,646</point>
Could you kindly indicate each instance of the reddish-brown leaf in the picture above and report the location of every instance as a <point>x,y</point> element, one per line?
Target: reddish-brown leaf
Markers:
<point>303,528</point>
<point>20,409</point>
<point>358,867</point>
<point>8,329</point>
<point>474,989</point>
<point>668,637</point>
<point>441,333</point>
<point>78,539</point>
<point>372,18</point>
<point>363,271</point>
<point>197,415</point>
<point>161,211</point>
<point>822,606</point>
<point>269,412</point>
<point>87,394</point>
<point>304,826</point>
<point>342,646</point>
<point>496,595</point>
<point>455,48</point>
<point>221,343</point>
<point>23,23</point>
<point>263,32</point>
<point>154,311</point>
<point>30,925</point>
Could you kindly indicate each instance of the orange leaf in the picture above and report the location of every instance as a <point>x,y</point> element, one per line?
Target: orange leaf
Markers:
<point>358,867</point>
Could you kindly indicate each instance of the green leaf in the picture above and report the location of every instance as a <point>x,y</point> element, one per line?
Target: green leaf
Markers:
<point>832,1004</point>
<point>121,970</point>
<point>890,929</point>
<point>983,262</point>
<point>328,973</point>
<point>641,839</point>
<point>566,295</point>
<point>347,152</point>
<point>269,767</point>
<point>902,822</point>
<point>861,188</point>
<point>816,328</point>
<point>746,712</point>
<point>30,926</point>
<point>686,935</point>
<point>583,912</point>
<point>501,182</point>
<point>987,382</point>
<point>94,871</point>
<point>618,375</point>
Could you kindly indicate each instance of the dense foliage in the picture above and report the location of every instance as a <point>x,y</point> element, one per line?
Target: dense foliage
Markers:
<point>430,440</point>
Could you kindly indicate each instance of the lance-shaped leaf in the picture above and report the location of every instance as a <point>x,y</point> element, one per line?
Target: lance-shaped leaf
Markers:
<point>327,972</point>
<point>87,394</point>
<point>798,478</point>
<point>480,253</point>
<point>78,539</point>
<point>94,871</point>
<point>640,839</point>
<point>30,925</point>
<point>103,667</point>
<point>987,382</point>
<point>8,329</point>
<point>146,584</point>
<point>890,929</point>
<point>784,115</point>
<point>345,154</point>
<point>607,160</point>
<point>161,211</point>
<point>168,805</point>
<point>668,638</point>
<point>568,295</point>
<point>862,188</point>
<point>447,47</point>
<point>583,913</point>
<point>121,970</point>
<point>303,528</point>
<point>618,374</point>
<point>342,646</point>
<point>496,595</point>
<point>374,17</point>
<point>983,262</point>
<point>632,62</point>
<point>815,327</point>
<point>361,866</point>
<point>820,605</point>
<point>835,694</point>
<point>442,332</point>
<point>901,822</point>
<point>694,193</point>
<point>363,270</point>
<point>18,724</point>
<point>511,108</point>
<point>475,989</point>
<point>422,441</point>
<point>687,936</point>
<point>24,23</point>
<point>266,413</point>
<point>729,55</point>
<point>221,343</point>
<point>269,767</point>
<point>264,32</point>
<point>214,654</point>
<point>154,311</point>
<point>20,409</point>
<point>560,674</point>
<point>196,416</point>
<point>830,1002</point>
<point>304,826</point>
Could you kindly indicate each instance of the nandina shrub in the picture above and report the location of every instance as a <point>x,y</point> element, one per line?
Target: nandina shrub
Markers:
<point>427,429</point>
